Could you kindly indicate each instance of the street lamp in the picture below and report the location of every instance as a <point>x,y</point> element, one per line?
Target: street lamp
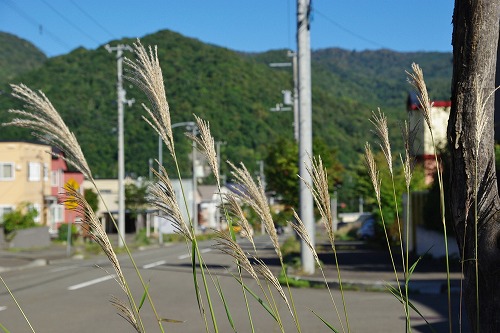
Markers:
<point>190,126</point>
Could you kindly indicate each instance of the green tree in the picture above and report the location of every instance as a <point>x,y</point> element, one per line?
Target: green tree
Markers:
<point>135,198</point>
<point>282,168</point>
<point>92,199</point>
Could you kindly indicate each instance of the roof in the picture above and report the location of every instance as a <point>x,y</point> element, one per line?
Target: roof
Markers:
<point>412,102</point>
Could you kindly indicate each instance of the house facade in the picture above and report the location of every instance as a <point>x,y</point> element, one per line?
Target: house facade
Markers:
<point>423,147</point>
<point>30,175</point>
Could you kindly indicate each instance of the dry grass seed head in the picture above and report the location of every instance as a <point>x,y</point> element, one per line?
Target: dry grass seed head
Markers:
<point>145,72</point>
<point>382,131</point>
<point>234,208</point>
<point>319,190</point>
<point>206,145</point>
<point>263,270</point>
<point>416,79</point>
<point>254,196</point>
<point>227,245</point>
<point>300,229</point>
<point>161,195</point>
<point>125,312</point>
<point>92,224</point>
<point>43,118</point>
<point>408,161</point>
<point>372,170</point>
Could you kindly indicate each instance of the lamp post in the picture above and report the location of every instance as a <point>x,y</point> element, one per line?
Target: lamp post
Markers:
<point>190,126</point>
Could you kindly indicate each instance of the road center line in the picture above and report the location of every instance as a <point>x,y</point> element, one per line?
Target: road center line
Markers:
<point>187,255</point>
<point>155,264</point>
<point>91,282</point>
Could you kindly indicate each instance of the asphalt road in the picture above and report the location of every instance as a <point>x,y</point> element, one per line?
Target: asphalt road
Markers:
<point>73,296</point>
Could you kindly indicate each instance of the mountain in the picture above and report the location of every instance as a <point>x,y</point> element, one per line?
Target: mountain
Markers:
<point>17,56</point>
<point>234,91</point>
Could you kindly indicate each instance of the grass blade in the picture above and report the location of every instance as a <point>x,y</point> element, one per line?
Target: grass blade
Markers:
<point>4,329</point>
<point>257,298</point>
<point>325,322</point>
<point>226,307</point>
<point>141,303</point>
<point>402,299</point>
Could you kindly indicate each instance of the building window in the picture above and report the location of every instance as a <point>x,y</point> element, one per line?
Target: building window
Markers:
<point>45,172</point>
<point>57,213</point>
<point>34,171</point>
<point>4,210</point>
<point>6,171</point>
<point>54,179</point>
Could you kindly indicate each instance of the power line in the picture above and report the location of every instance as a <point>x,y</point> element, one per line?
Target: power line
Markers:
<point>352,33</point>
<point>70,22</point>
<point>93,20</point>
<point>37,24</point>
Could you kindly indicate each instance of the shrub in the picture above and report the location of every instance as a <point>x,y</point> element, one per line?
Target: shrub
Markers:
<point>21,218</point>
<point>63,232</point>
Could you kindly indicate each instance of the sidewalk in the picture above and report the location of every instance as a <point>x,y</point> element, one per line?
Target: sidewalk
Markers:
<point>361,267</point>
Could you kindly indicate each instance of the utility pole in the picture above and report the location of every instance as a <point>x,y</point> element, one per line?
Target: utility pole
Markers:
<point>295,94</point>
<point>121,156</point>
<point>305,128</point>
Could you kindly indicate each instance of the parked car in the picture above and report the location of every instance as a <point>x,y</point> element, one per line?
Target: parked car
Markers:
<point>367,229</point>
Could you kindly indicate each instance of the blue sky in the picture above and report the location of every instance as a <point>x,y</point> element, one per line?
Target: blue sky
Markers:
<point>59,26</point>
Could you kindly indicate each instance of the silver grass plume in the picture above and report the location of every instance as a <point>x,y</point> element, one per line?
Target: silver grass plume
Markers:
<point>408,160</point>
<point>416,79</point>
<point>372,170</point>
<point>146,73</point>
<point>254,196</point>
<point>263,270</point>
<point>41,116</point>
<point>161,195</point>
<point>300,229</point>
<point>227,245</point>
<point>382,131</point>
<point>125,312</point>
<point>206,145</point>
<point>319,190</point>
<point>76,201</point>
<point>235,210</point>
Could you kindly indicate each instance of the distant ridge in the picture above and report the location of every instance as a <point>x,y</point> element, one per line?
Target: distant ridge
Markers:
<point>234,91</point>
<point>18,56</point>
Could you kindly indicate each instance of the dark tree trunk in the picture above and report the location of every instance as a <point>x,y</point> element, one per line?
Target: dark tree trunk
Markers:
<point>475,40</point>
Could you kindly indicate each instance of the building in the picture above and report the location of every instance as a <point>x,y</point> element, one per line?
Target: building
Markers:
<point>423,147</point>
<point>30,174</point>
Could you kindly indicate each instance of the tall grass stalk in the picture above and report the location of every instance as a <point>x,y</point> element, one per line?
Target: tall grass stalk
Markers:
<point>301,230</point>
<point>376,183</point>
<point>146,73</point>
<point>382,131</point>
<point>417,80</point>
<point>206,144</point>
<point>17,304</point>
<point>408,163</point>
<point>254,195</point>
<point>321,195</point>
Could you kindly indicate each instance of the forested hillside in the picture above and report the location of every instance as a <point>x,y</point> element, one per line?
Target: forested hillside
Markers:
<point>17,56</point>
<point>233,91</point>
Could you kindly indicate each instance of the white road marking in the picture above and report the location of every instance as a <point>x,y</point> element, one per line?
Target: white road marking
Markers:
<point>91,282</point>
<point>64,268</point>
<point>155,264</point>
<point>187,255</point>
<point>3,308</point>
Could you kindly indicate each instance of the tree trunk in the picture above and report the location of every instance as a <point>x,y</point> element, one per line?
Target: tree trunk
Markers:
<point>471,142</point>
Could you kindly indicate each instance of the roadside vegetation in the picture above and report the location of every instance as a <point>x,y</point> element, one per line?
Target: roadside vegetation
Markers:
<point>273,292</point>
